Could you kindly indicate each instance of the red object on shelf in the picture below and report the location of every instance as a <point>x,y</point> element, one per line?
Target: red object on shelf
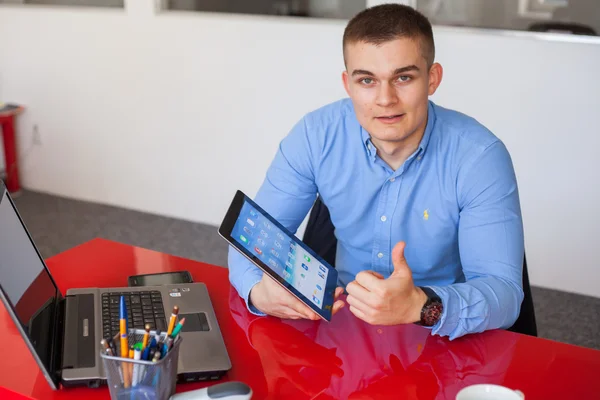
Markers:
<point>7,125</point>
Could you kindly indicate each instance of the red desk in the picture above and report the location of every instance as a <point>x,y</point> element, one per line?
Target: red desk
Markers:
<point>7,126</point>
<point>305,359</point>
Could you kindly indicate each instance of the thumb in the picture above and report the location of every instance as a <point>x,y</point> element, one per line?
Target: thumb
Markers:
<point>398,260</point>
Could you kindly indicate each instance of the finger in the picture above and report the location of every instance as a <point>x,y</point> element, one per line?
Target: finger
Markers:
<point>359,305</point>
<point>337,306</point>
<point>398,259</point>
<point>338,292</point>
<point>358,313</point>
<point>369,281</point>
<point>287,313</point>
<point>302,309</point>
<point>288,300</point>
<point>377,274</point>
<point>357,291</point>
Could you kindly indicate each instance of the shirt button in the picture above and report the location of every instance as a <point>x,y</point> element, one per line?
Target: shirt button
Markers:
<point>380,255</point>
<point>392,179</point>
<point>419,158</point>
<point>383,218</point>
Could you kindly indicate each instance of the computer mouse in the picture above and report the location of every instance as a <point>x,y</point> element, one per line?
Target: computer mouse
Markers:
<point>221,391</point>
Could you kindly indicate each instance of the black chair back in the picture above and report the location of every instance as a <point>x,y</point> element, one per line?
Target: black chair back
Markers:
<point>320,236</point>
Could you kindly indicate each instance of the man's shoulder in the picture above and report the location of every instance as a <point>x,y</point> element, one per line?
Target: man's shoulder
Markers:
<point>462,129</point>
<point>329,115</point>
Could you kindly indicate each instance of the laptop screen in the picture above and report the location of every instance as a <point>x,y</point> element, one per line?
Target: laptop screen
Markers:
<point>25,281</point>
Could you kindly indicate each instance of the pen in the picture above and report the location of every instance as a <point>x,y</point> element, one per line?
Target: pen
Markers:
<point>137,354</point>
<point>178,328</point>
<point>123,327</point>
<point>157,335</point>
<point>106,347</point>
<point>130,366</point>
<point>173,319</point>
<point>148,350</point>
<point>124,341</point>
<point>145,353</point>
<point>112,345</point>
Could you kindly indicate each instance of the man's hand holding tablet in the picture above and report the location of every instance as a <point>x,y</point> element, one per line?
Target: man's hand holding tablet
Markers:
<point>272,299</point>
<point>296,282</point>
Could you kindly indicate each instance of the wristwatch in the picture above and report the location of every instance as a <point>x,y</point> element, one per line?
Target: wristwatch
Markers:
<point>432,310</point>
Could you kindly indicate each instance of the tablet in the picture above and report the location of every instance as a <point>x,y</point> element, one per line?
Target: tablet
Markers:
<point>277,252</point>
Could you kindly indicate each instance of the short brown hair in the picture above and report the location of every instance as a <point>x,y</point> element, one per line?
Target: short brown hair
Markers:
<point>386,22</point>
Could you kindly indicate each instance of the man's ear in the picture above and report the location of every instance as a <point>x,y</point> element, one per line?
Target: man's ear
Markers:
<point>346,82</point>
<point>436,72</point>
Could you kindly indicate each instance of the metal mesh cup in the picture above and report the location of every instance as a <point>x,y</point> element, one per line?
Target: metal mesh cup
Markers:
<point>130,379</point>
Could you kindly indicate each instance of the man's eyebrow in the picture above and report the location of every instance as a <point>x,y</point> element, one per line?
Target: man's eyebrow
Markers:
<point>396,71</point>
<point>406,69</point>
<point>362,72</point>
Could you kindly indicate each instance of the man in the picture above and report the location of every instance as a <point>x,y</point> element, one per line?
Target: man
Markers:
<point>424,199</point>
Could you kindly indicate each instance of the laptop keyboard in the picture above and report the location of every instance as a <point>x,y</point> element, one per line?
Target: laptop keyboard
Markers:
<point>142,308</point>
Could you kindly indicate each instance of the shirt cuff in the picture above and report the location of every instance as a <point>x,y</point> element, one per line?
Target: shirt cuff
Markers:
<point>249,283</point>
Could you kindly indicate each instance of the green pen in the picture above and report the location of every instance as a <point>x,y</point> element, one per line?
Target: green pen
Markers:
<point>177,328</point>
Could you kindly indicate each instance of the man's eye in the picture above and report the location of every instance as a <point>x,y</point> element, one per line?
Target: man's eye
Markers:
<point>366,81</point>
<point>404,78</point>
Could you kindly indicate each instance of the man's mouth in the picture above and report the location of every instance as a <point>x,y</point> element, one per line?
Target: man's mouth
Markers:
<point>390,118</point>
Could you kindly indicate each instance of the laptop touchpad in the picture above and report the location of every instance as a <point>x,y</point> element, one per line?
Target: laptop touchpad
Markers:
<point>194,322</point>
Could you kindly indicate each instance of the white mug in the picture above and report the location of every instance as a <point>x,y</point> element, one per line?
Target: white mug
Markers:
<point>489,392</point>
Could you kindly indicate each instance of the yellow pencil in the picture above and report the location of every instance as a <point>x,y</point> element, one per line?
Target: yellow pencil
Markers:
<point>173,320</point>
<point>146,337</point>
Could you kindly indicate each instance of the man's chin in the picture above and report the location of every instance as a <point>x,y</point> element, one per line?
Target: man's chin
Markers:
<point>390,135</point>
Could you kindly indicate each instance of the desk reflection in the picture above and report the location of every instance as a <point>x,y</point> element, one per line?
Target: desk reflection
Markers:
<point>349,359</point>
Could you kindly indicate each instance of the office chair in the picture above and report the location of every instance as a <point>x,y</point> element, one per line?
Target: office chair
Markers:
<point>319,236</point>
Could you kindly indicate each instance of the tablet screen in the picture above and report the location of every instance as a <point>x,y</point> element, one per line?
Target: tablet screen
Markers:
<point>273,248</point>
<point>276,249</point>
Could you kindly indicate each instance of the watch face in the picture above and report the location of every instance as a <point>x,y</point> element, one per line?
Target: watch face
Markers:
<point>431,313</point>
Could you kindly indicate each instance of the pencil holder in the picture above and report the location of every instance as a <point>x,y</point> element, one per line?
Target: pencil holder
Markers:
<point>130,379</point>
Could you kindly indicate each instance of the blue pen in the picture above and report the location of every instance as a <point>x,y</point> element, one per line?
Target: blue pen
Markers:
<point>146,353</point>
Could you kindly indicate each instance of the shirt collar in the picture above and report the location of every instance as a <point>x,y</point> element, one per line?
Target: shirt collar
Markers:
<point>369,147</point>
<point>428,129</point>
<point>372,151</point>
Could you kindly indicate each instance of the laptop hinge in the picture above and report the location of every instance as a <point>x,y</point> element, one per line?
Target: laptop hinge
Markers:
<point>58,332</point>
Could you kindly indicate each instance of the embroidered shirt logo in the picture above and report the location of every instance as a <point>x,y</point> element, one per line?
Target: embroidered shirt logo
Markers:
<point>426,214</point>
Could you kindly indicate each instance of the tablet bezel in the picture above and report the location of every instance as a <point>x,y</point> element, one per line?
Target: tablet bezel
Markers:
<point>227,227</point>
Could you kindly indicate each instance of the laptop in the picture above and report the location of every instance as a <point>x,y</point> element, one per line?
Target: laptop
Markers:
<point>63,332</point>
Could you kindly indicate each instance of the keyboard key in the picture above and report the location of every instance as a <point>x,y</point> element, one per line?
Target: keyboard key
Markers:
<point>161,324</point>
<point>135,300</point>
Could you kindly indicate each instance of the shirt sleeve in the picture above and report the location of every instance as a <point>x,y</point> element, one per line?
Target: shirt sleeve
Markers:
<point>287,194</point>
<point>491,246</point>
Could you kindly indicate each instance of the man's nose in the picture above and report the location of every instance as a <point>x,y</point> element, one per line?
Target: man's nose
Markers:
<point>386,96</point>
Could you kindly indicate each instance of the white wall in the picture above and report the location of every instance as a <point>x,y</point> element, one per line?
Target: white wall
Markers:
<point>171,113</point>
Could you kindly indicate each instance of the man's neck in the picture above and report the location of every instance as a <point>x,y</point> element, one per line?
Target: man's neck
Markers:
<point>396,153</point>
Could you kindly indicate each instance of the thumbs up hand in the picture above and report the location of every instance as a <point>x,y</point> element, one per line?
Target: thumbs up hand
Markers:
<point>392,301</point>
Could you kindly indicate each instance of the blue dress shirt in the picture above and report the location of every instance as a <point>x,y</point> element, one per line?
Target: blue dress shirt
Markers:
<point>454,202</point>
